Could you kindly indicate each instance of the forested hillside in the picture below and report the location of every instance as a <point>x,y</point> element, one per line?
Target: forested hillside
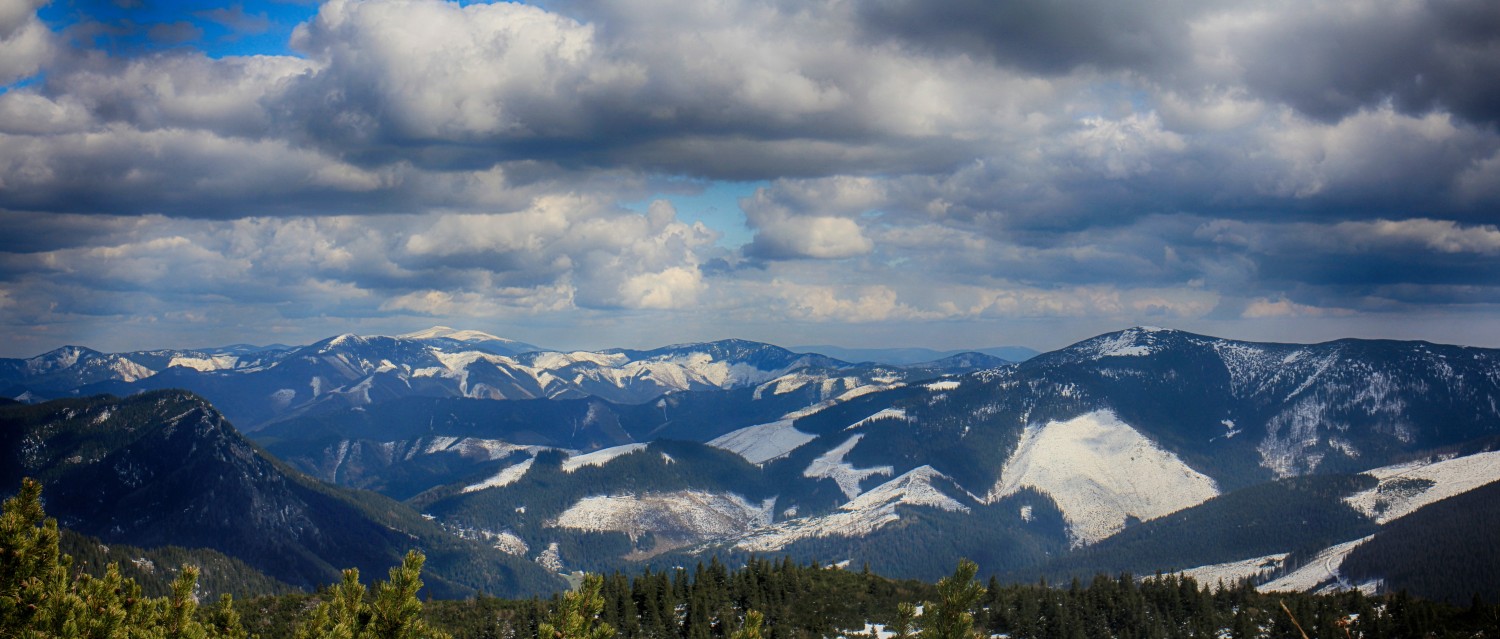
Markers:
<point>41,595</point>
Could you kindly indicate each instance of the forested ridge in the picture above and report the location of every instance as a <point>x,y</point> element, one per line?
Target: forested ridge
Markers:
<point>43,593</point>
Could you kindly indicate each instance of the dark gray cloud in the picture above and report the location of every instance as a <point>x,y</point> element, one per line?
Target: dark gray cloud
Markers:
<point>1088,164</point>
<point>1330,60</point>
<point>1041,36</point>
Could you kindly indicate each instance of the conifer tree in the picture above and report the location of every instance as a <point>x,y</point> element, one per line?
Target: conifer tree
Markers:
<point>950,617</point>
<point>38,599</point>
<point>906,615</point>
<point>395,613</point>
<point>577,617</point>
<point>752,627</point>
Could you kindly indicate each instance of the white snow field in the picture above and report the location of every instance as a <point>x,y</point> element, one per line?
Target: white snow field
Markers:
<point>861,516</point>
<point>832,466</point>
<point>1099,470</point>
<point>889,413</point>
<point>599,457</point>
<point>1403,487</point>
<point>1322,570</point>
<point>762,443</point>
<point>505,477</point>
<point>1232,572</point>
<point>692,515</point>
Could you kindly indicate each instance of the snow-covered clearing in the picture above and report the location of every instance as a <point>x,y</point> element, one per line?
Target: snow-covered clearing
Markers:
<point>1404,488</point>
<point>945,385</point>
<point>1099,470</point>
<point>1322,570</point>
<point>505,477</point>
<point>551,558</point>
<point>860,516</point>
<point>205,364</point>
<point>763,443</point>
<point>599,457</point>
<point>1232,572</point>
<point>832,466</point>
<point>689,514</point>
<point>889,413</point>
<point>476,448</point>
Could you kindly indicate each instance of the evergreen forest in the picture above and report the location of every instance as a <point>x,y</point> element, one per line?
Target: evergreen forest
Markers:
<point>45,593</point>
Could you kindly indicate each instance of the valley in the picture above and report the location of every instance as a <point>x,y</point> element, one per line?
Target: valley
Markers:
<point>1140,451</point>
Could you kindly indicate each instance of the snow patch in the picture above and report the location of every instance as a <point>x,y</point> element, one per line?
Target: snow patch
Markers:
<point>1100,471</point>
<point>205,364</point>
<point>945,385</point>
<point>599,457</point>
<point>763,443</point>
<point>862,516</point>
<point>1320,574</point>
<point>510,544</point>
<point>831,465</point>
<point>1406,487</point>
<point>551,558</point>
<point>554,361</point>
<point>685,514</point>
<point>889,413</point>
<point>505,477</point>
<point>1233,572</point>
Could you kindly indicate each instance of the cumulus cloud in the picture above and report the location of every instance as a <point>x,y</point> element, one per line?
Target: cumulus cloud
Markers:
<point>25,43</point>
<point>965,161</point>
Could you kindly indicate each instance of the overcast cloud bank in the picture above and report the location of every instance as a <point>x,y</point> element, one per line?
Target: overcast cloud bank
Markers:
<point>937,174</point>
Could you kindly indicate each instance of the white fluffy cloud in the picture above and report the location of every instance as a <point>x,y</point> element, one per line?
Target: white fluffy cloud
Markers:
<point>965,163</point>
<point>25,43</point>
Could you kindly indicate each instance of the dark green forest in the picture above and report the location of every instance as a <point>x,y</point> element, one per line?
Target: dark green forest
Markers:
<point>46,593</point>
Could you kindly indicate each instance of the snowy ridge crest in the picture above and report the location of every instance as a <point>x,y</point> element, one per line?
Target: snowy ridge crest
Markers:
<point>861,516</point>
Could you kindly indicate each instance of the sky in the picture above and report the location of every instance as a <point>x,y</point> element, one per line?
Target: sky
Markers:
<point>863,173</point>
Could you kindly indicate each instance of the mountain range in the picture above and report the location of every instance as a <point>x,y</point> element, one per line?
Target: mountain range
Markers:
<point>1141,450</point>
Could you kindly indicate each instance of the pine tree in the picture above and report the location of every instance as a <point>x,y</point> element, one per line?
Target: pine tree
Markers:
<point>950,617</point>
<point>32,575</point>
<point>577,617</point>
<point>902,626</point>
<point>38,599</point>
<point>752,627</point>
<point>395,613</point>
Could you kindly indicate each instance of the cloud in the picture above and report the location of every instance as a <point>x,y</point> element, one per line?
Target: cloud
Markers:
<point>25,43</point>
<point>1282,308</point>
<point>237,19</point>
<point>963,162</point>
<point>1039,36</point>
<point>1330,59</point>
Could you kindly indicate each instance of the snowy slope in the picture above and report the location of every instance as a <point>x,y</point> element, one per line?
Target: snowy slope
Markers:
<point>1321,574</point>
<point>684,515</point>
<point>861,516</point>
<point>505,477</point>
<point>599,457</point>
<point>1233,572</point>
<point>1099,470</point>
<point>831,465</point>
<point>1404,488</point>
<point>762,443</point>
<point>889,413</point>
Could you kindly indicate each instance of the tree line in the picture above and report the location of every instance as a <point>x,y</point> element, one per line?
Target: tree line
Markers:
<point>42,594</point>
